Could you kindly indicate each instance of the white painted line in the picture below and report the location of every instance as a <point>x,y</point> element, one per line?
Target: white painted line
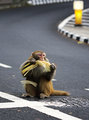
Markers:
<point>39,106</point>
<point>83,20</point>
<point>85,23</point>
<point>4,65</point>
<point>64,22</point>
<point>54,80</point>
<point>85,16</point>
<point>56,113</point>
<point>87,89</point>
<point>9,97</point>
<point>12,105</point>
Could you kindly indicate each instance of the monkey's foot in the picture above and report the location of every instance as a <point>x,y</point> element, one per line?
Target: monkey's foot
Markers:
<point>26,95</point>
<point>42,95</point>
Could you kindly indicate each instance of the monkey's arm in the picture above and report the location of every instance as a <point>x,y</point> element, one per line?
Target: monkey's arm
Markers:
<point>49,75</point>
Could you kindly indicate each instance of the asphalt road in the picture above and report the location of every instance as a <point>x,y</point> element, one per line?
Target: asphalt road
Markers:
<point>24,30</point>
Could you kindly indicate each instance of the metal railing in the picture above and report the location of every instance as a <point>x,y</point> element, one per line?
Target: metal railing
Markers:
<point>41,2</point>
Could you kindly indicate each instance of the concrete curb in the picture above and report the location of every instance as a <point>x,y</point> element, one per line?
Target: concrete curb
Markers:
<point>2,7</point>
<point>74,36</point>
<point>70,34</point>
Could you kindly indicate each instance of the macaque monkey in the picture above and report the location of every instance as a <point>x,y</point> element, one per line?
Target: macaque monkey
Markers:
<point>39,73</point>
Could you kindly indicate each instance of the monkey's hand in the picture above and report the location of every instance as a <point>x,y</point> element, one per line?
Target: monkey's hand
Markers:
<point>53,67</point>
<point>32,61</point>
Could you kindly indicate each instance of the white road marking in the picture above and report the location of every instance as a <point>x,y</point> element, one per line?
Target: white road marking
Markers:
<point>87,89</point>
<point>64,22</point>
<point>4,65</point>
<point>54,80</point>
<point>39,106</point>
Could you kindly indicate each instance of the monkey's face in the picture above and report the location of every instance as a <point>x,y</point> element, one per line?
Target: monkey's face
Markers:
<point>41,56</point>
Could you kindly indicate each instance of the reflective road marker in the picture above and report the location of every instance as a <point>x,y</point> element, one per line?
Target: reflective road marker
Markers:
<point>39,106</point>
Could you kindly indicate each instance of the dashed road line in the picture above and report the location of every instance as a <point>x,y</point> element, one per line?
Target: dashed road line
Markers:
<point>54,80</point>
<point>36,105</point>
<point>87,89</point>
<point>4,65</point>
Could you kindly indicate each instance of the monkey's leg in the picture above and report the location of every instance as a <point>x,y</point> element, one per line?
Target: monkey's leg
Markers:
<point>30,91</point>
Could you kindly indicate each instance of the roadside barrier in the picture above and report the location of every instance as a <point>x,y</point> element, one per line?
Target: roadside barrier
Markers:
<point>70,22</point>
<point>41,2</point>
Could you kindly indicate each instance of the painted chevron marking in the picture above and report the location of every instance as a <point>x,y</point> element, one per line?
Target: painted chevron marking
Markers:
<point>36,105</point>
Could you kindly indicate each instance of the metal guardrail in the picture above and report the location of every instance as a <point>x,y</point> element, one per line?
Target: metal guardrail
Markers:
<point>5,2</point>
<point>41,2</point>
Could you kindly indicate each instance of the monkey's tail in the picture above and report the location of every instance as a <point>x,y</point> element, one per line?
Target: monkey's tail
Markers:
<point>60,93</point>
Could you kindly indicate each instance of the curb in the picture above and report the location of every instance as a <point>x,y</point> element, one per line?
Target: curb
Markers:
<point>70,34</point>
<point>13,5</point>
<point>73,36</point>
<point>10,6</point>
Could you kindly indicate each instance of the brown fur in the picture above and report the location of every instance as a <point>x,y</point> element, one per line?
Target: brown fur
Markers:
<point>44,82</point>
<point>46,89</point>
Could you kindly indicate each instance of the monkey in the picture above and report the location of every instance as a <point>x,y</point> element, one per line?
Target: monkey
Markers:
<point>31,63</point>
<point>39,73</point>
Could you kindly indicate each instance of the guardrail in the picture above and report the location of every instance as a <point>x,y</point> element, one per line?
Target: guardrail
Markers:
<point>41,2</point>
<point>4,4</point>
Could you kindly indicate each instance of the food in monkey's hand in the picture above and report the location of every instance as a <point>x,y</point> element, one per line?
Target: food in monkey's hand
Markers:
<point>39,73</point>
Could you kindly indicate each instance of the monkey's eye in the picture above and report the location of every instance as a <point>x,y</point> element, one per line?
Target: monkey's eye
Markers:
<point>39,54</point>
<point>44,55</point>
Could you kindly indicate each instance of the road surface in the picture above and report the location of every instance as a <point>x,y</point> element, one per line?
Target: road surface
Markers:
<point>23,30</point>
